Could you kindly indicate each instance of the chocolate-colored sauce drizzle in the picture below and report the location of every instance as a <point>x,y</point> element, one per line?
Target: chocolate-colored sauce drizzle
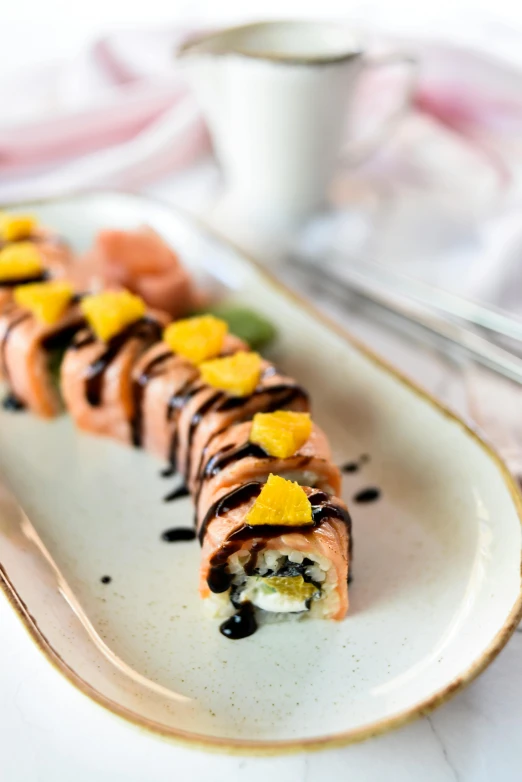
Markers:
<point>174,407</point>
<point>370,494</point>
<point>241,624</point>
<point>138,390</point>
<point>355,466</point>
<point>145,328</point>
<point>228,455</point>
<point>212,403</point>
<point>63,337</point>
<point>294,392</point>
<point>232,500</point>
<point>182,491</point>
<point>15,282</point>
<point>12,402</point>
<point>178,534</point>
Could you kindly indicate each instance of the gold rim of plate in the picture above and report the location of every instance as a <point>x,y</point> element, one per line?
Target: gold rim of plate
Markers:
<point>287,746</point>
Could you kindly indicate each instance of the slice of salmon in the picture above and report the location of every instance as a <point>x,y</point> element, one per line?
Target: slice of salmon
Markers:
<point>329,540</point>
<point>105,405</point>
<point>143,263</point>
<point>211,411</point>
<point>25,347</point>
<point>230,459</point>
<point>159,377</point>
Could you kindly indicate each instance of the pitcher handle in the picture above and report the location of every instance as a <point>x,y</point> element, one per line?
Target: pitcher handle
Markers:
<point>357,151</point>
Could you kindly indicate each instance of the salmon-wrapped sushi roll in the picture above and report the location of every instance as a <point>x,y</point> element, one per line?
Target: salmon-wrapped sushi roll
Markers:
<point>284,443</point>
<point>160,377</point>
<point>96,374</point>
<point>273,549</point>
<point>233,389</point>
<point>35,329</point>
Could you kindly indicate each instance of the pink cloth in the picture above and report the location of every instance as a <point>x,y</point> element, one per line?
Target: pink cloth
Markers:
<point>120,114</point>
<point>117,115</point>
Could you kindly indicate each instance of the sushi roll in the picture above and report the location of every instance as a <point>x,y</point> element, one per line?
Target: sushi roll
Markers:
<point>35,329</point>
<point>96,373</point>
<point>272,550</point>
<point>231,389</point>
<point>23,232</point>
<point>163,375</point>
<point>285,443</point>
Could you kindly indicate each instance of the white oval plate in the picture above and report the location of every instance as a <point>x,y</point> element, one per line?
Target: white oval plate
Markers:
<point>437,584</point>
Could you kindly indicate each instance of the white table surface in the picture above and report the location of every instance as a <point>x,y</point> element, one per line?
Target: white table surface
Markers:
<point>51,732</point>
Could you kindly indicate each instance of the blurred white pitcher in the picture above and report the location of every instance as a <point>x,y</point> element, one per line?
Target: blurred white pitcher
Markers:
<point>276,96</point>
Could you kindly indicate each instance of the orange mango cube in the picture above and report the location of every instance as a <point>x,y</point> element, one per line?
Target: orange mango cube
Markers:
<point>14,227</point>
<point>110,312</point>
<point>282,433</point>
<point>20,261</point>
<point>238,374</point>
<point>196,339</point>
<point>46,300</point>
<point>280,502</point>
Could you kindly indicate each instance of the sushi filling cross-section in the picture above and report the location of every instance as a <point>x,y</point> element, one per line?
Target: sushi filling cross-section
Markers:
<point>278,546</point>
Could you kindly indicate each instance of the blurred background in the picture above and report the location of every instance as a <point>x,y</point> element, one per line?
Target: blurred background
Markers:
<point>92,97</point>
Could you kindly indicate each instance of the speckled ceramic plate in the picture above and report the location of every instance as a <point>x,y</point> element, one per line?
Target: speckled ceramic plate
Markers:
<point>437,585</point>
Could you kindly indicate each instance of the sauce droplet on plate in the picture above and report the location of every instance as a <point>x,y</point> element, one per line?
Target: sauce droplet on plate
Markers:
<point>241,625</point>
<point>182,491</point>
<point>177,534</point>
<point>367,495</point>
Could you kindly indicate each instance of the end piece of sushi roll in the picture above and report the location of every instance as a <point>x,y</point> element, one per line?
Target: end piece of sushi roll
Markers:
<point>96,374</point>
<point>273,550</point>
<point>35,330</point>
<point>284,443</point>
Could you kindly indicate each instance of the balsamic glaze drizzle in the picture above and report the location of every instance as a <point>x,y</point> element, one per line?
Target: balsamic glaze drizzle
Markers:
<point>370,494</point>
<point>182,491</point>
<point>178,534</point>
<point>62,338</point>
<point>15,282</point>
<point>12,403</point>
<point>241,624</point>
<point>229,455</point>
<point>146,329</point>
<point>138,390</point>
<point>350,467</point>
